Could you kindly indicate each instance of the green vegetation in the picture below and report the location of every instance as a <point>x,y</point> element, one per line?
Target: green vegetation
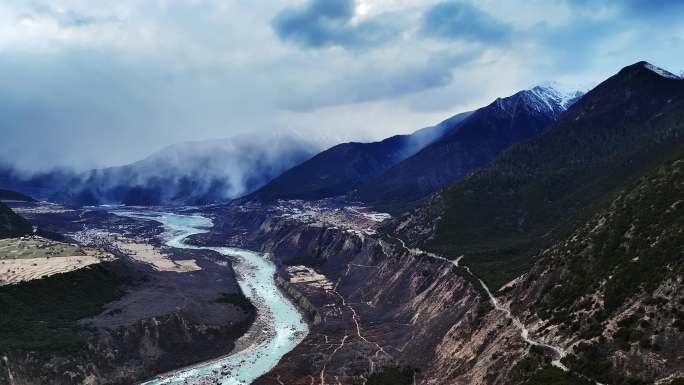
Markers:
<point>539,191</point>
<point>393,375</point>
<point>237,299</point>
<point>500,233</point>
<point>639,243</point>
<point>554,376</point>
<point>14,248</point>
<point>633,246</point>
<point>43,314</point>
<point>591,360</point>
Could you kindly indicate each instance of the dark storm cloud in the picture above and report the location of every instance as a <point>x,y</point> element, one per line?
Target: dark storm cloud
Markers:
<point>452,20</point>
<point>322,23</point>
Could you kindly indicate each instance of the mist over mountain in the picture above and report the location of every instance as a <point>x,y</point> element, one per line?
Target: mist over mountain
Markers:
<point>469,145</point>
<point>185,173</point>
<point>389,174</point>
<point>346,166</point>
<point>539,189</point>
<point>347,192</point>
<point>403,169</point>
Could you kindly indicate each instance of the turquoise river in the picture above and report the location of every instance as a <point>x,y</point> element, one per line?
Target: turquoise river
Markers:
<point>278,328</point>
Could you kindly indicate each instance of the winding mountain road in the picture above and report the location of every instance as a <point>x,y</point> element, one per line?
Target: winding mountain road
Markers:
<point>524,332</point>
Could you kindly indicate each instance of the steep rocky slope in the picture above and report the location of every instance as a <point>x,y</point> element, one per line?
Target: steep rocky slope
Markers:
<point>613,291</point>
<point>387,312</point>
<point>402,316</point>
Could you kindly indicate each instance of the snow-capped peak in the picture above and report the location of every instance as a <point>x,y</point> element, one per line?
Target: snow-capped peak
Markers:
<point>660,71</point>
<point>546,98</point>
<point>553,95</point>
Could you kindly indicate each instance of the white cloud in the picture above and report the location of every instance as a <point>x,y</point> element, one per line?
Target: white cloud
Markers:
<point>109,82</point>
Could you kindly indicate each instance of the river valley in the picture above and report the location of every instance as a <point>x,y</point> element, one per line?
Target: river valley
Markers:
<point>379,308</point>
<point>279,326</point>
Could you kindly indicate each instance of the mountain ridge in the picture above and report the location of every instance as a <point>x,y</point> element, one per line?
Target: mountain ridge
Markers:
<point>11,224</point>
<point>478,140</point>
<point>188,173</point>
<point>340,169</point>
<point>537,190</point>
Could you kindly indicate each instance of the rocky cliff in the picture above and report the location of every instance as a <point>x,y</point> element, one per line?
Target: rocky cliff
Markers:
<point>608,298</point>
<point>385,307</point>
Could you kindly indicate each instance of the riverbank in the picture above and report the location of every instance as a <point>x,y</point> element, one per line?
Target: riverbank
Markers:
<point>305,306</point>
<point>157,321</point>
<point>279,326</point>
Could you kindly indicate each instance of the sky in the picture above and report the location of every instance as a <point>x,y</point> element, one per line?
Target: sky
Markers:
<point>90,84</point>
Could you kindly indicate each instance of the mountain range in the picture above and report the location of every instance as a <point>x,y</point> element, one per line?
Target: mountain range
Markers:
<point>539,190</point>
<point>188,173</point>
<point>536,240</point>
<point>468,146</point>
<point>391,174</point>
<point>344,167</point>
<point>401,170</point>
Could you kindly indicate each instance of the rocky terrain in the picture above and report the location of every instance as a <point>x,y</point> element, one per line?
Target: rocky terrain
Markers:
<point>150,310</point>
<point>566,271</point>
<point>382,310</point>
<point>386,311</point>
<point>560,262</point>
<point>613,291</point>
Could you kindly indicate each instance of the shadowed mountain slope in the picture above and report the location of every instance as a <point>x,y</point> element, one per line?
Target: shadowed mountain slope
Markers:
<point>478,140</point>
<point>540,190</point>
<point>190,173</point>
<point>9,195</point>
<point>344,167</point>
<point>11,224</point>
